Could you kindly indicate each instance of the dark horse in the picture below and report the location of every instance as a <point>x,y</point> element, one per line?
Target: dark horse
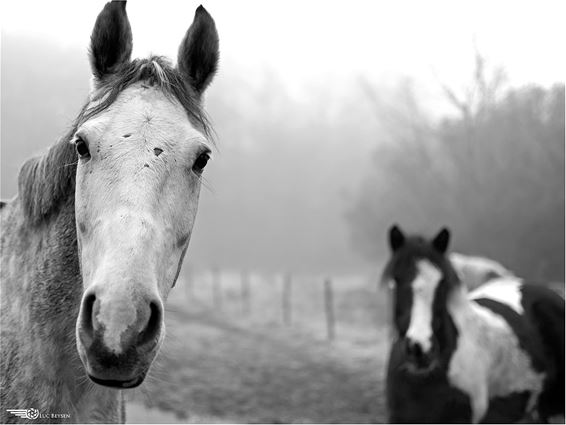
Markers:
<point>495,355</point>
<point>94,240</point>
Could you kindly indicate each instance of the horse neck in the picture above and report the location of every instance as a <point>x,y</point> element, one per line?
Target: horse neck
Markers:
<point>42,289</point>
<point>52,275</point>
<point>447,333</point>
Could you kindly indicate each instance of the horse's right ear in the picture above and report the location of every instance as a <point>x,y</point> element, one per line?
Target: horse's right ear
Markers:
<point>198,53</point>
<point>441,240</point>
<point>396,238</point>
<point>111,40</point>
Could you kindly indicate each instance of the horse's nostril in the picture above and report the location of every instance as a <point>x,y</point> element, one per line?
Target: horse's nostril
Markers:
<point>418,351</point>
<point>409,347</point>
<point>151,331</point>
<point>87,317</point>
<point>414,349</point>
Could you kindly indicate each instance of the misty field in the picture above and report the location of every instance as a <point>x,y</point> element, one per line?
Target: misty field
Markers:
<point>228,360</point>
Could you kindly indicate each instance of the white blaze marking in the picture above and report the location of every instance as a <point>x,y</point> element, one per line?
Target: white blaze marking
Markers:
<point>424,288</point>
<point>506,290</point>
<point>488,361</point>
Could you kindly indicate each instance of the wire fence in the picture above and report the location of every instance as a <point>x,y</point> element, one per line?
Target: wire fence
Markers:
<point>327,307</point>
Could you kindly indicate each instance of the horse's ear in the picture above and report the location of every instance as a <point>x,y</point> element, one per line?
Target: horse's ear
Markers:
<point>441,240</point>
<point>111,40</point>
<point>396,238</point>
<point>198,53</point>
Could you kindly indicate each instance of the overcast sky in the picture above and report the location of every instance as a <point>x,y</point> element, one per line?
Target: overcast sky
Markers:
<point>314,40</point>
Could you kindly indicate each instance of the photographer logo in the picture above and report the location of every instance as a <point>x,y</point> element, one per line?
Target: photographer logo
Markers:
<point>24,413</point>
<point>33,414</point>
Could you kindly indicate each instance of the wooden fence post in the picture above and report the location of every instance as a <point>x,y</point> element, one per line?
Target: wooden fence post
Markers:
<point>286,299</point>
<point>329,309</point>
<point>245,292</point>
<point>216,289</point>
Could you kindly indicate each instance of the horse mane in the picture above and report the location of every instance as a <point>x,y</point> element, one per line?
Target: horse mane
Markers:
<point>45,182</point>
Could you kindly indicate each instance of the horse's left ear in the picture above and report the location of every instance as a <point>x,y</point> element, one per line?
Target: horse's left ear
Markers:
<point>441,240</point>
<point>111,40</point>
<point>198,53</point>
<point>396,238</point>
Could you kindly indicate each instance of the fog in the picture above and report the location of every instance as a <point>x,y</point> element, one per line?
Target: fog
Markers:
<point>316,159</point>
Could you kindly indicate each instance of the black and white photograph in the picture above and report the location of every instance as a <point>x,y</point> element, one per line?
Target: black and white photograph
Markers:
<point>282,211</point>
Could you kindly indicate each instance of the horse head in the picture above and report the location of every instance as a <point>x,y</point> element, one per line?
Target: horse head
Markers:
<point>421,278</point>
<point>142,144</point>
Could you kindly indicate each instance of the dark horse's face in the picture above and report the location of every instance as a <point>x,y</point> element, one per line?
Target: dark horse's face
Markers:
<point>419,276</point>
<point>140,160</point>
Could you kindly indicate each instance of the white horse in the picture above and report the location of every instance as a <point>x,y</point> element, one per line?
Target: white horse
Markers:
<point>94,240</point>
<point>474,271</point>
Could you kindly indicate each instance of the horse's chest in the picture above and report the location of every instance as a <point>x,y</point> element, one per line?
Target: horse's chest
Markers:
<point>489,363</point>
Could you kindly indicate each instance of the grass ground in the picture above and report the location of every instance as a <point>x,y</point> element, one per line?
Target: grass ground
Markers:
<point>226,366</point>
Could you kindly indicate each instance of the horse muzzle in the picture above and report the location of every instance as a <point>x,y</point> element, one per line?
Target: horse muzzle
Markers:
<point>117,347</point>
<point>127,370</point>
<point>418,360</point>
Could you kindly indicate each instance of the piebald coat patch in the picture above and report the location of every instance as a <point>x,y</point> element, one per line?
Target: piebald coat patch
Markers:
<point>477,366</point>
<point>505,290</point>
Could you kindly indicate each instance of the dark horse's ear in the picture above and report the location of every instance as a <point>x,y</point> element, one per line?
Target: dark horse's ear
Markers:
<point>111,40</point>
<point>396,238</point>
<point>198,53</point>
<point>441,240</point>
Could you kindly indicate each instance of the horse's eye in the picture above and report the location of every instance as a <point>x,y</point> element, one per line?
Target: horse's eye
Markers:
<point>82,148</point>
<point>200,163</point>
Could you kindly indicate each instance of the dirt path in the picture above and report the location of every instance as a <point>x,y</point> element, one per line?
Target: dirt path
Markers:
<point>215,369</point>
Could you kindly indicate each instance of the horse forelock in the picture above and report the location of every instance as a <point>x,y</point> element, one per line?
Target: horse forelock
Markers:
<point>155,71</point>
<point>417,248</point>
<point>45,182</point>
